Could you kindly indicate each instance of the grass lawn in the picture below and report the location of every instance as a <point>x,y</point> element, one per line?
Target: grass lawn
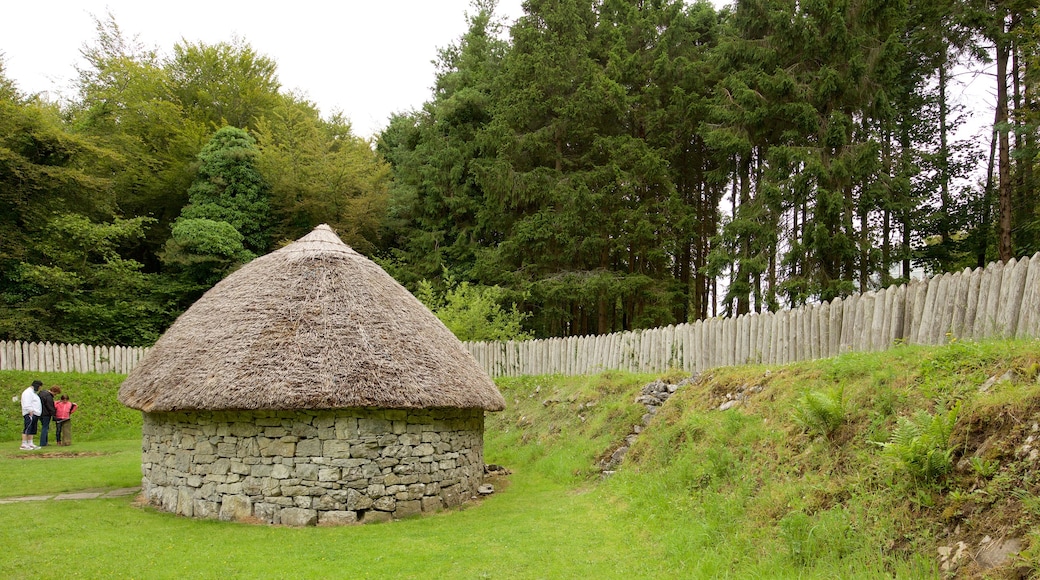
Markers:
<point>88,465</point>
<point>805,478</point>
<point>533,529</point>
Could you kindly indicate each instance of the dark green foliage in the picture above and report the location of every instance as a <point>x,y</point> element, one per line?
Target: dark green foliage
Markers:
<point>821,412</point>
<point>920,446</point>
<point>229,188</point>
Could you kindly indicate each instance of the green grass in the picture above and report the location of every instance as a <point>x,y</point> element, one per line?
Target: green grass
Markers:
<point>746,493</point>
<point>90,465</point>
<point>535,529</point>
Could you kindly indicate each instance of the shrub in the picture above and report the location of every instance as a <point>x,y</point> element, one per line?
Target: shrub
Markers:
<point>920,445</point>
<point>821,412</point>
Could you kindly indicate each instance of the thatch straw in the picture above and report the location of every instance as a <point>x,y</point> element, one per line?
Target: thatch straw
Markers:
<point>314,325</point>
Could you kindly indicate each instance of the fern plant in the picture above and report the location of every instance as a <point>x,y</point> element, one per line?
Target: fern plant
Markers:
<point>920,445</point>
<point>821,412</point>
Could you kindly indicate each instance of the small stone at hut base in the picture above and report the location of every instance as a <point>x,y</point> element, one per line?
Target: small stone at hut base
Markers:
<point>298,517</point>
<point>486,489</point>
<point>337,518</point>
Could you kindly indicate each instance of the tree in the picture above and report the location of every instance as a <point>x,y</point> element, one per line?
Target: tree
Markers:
<point>226,222</point>
<point>227,83</point>
<point>440,214</point>
<point>125,102</point>
<point>229,188</point>
<point>320,172</point>
<point>80,289</point>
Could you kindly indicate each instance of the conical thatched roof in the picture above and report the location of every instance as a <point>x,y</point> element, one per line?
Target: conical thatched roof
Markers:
<point>314,325</point>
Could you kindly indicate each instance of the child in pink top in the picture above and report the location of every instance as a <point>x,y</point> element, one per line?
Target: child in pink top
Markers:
<point>63,413</point>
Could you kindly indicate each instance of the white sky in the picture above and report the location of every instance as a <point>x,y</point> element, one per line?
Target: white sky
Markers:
<point>367,59</point>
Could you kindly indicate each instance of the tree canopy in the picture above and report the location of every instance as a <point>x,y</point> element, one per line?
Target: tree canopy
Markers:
<point>594,166</point>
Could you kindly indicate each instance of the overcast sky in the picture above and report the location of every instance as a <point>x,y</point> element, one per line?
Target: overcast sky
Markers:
<point>367,59</point>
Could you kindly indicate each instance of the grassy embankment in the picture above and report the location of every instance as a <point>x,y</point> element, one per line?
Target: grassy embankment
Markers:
<point>836,468</point>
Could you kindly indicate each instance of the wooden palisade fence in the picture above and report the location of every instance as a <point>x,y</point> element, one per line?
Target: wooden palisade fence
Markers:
<point>80,358</point>
<point>1002,300</point>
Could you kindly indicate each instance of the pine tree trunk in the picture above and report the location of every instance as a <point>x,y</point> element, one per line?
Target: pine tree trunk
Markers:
<point>1004,153</point>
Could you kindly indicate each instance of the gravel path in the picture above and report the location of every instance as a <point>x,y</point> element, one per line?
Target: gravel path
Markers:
<point>87,494</point>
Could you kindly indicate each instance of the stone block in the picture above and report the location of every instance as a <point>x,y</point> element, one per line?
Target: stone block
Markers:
<point>346,427</point>
<point>357,500</point>
<point>373,426</point>
<point>226,449</point>
<point>375,490</point>
<point>280,471</point>
<point>451,497</point>
<point>235,508</point>
<point>298,517</point>
<point>244,429</point>
<point>337,518</point>
<point>328,474</point>
<point>308,447</point>
<point>336,449</point>
<point>307,472</point>
<point>432,504</point>
<point>267,512</point>
<point>169,499</point>
<point>185,502</point>
<point>423,450</point>
<point>326,503</point>
<point>220,466</point>
<point>203,509</point>
<point>282,447</point>
<point>407,509</point>
<point>261,470</point>
<point>365,450</point>
<point>409,439</point>
<point>324,420</point>
<point>303,430</point>
<point>385,504</point>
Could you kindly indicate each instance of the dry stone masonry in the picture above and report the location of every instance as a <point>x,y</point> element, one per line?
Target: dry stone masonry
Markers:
<point>653,396</point>
<point>303,468</point>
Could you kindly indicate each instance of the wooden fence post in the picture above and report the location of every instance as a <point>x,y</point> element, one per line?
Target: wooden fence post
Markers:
<point>1028,315</point>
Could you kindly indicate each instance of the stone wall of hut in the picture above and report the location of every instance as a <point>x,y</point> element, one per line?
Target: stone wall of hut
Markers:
<point>312,467</point>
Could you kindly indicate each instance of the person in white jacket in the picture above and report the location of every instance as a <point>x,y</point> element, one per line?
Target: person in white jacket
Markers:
<point>32,408</point>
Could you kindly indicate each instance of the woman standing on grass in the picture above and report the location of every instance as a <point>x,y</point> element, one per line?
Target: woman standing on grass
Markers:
<point>63,411</point>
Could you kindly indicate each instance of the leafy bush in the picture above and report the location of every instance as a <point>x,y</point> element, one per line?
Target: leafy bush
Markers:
<point>920,445</point>
<point>821,412</point>
<point>474,312</point>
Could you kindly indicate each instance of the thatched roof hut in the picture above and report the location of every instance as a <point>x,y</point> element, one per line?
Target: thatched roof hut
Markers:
<point>314,325</point>
<point>310,387</point>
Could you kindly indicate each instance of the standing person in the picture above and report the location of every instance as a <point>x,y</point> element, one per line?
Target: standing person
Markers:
<point>47,403</point>
<point>63,411</point>
<point>31,411</point>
